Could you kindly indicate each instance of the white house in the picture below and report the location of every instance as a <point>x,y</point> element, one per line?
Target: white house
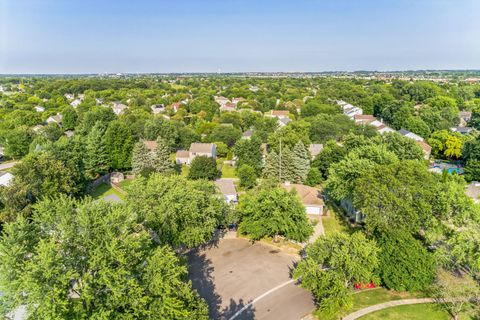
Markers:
<point>309,196</point>
<point>196,149</point>
<point>5,178</point>
<point>75,103</point>
<point>39,108</point>
<point>381,127</point>
<point>315,149</point>
<point>410,135</point>
<point>283,122</point>
<point>227,188</point>
<point>279,114</point>
<point>56,119</point>
<point>118,108</point>
<point>221,100</point>
<point>157,108</point>
<point>69,96</point>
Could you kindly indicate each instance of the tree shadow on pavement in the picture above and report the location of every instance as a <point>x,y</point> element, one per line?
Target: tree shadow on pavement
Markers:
<point>234,307</point>
<point>200,271</point>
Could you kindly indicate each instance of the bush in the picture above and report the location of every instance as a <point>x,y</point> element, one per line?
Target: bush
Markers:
<point>203,167</point>
<point>314,177</point>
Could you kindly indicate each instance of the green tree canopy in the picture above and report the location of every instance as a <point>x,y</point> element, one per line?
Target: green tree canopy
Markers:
<point>181,212</point>
<point>273,212</point>
<point>87,260</point>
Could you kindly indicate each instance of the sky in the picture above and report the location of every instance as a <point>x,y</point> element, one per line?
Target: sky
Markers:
<point>147,36</point>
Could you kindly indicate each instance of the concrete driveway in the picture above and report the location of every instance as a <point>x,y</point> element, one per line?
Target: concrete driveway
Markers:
<point>233,272</point>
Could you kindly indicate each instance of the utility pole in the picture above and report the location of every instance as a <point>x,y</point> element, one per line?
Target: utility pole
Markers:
<point>280,163</point>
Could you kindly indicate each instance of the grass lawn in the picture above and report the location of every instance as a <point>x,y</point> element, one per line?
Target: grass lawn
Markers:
<point>103,190</point>
<point>371,297</point>
<point>185,170</point>
<point>228,171</point>
<point>427,311</point>
<point>125,183</point>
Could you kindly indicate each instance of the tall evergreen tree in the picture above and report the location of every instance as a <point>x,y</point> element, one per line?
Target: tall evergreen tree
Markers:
<point>96,155</point>
<point>142,160</point>
<point>161,157</point>
<point>272,166</point>
<point>301,163</point>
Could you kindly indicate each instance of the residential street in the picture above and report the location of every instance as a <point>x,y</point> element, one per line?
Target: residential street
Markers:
<point>232,273</point>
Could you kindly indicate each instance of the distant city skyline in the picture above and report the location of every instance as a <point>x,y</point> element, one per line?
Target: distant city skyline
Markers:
<point>146,36</point>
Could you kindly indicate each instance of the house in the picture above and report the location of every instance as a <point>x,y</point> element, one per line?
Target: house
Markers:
<point>309,196</point>
<point>5,178</point>
<point>279,114</point>
<point>99,101</point>
<point>247,135</point>
<point>202,149</point>
<point>462,130</point>
<point>465,117</point>
<point>69,133</point>
<point>182,157</point>
<point>157,108</point>
<point>39,108</point>
<point>473,191</point>
<point>150,144</point>
<point>282,122</point>
<point>75,103</point>
<point>410,135</point>
<point>350,110</point>
<point>427,150</point>
<point>55,119</point>
<point>381,127</point>
<point>196,149</point>
<point>118,108</point>
<point>37,128</point>
<point>176,106</point>
<point>69,96</point>
<point>315,149</point>
<point>238,100</point>
<point>364,119</point>
<point>229,107</point>
<point>81,96</point>
<point>227,188</point>
<point>221,100</point>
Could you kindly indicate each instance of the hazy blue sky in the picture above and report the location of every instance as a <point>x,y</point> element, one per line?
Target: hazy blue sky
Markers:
<point>91,36</point>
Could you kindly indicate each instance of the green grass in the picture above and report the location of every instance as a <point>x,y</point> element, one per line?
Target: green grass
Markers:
<point>427,311</point>
<point>228,171</point>
<point>371,297</point>
<point>103,190</point>
<point>185,170</point>
<point>125,183</point>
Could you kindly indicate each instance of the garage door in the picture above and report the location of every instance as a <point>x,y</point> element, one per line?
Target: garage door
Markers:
<point>313,210</point>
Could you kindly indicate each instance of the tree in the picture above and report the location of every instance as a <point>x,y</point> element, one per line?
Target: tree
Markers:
<point>314,177</point>
<point>44,175</point>
<point>91,260</point>
<point>161,157</point>
<point>17,142</point>
<point>142,160</point>
<point>399,196</point>
<point>96,153</point>
<point>404,263</point>
<point>330,154</point>
<point>248,151</point>
<point>226,134</point>
<point>457,291</point>
<point>119,143</point>
<point>247,176</point>
<point>69,119</point>
<point>333,264</point>
<point>453,147</point>
<point>203,167</point>
<point>403,147</point>
<point>272,213</point>
<point>301,162</point>
<point>181,212</point>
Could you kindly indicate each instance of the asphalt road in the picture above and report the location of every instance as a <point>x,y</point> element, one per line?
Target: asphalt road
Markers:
<point>234,272</point>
